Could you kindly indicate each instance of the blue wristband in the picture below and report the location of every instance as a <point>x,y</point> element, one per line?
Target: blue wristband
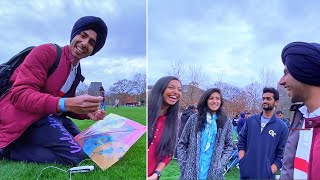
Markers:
<point>62,104</point>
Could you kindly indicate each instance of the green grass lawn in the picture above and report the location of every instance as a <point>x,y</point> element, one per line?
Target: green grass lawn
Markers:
<point>172,172</point>
<point>131,166</point>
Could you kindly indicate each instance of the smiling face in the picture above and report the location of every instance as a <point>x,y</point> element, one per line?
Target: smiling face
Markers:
<point>214,102</point>
<point>172,93</point>
<point>82,45</point>
<point>268,101</point>
<point>294,88</point>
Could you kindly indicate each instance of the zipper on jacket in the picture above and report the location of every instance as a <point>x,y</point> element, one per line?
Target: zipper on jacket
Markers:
<point>264,126</point>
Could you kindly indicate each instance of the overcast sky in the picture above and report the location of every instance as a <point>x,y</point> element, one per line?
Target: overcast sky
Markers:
<point>232,38</point>
<point>29,23</point>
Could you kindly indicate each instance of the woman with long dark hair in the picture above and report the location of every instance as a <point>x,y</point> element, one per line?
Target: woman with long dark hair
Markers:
<point>206,141</point>
<point>163,108</point>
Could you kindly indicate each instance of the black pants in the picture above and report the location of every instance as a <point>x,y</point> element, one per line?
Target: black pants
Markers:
<point>49,140</point>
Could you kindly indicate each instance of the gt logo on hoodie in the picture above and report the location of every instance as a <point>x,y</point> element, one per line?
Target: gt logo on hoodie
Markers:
<point>272,133</point>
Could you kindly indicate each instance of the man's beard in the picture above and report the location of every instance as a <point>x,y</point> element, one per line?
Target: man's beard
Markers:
<point>268,108</point>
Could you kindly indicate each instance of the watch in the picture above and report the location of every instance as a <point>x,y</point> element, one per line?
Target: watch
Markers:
<point>158,173</point>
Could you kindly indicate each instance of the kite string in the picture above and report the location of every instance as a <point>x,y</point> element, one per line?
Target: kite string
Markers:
<point>55,168</point>
<point>82,161</point>
<point>59,169</point>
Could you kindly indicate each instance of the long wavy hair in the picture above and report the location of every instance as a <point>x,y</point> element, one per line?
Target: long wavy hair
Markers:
<point>203,109</point>
<point>155,102</point>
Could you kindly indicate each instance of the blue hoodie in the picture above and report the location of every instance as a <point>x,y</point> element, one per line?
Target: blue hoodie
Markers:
<point>241,121</point>
<point>262,149</point>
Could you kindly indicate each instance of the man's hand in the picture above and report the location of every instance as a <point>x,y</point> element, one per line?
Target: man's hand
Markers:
<point>153,177</point>
<point>241,153</point>
<point>83,104</point>
<point>98,115</point>
<point>274,168</point>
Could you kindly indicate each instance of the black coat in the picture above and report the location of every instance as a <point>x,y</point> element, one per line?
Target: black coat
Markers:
<point>184,118</point>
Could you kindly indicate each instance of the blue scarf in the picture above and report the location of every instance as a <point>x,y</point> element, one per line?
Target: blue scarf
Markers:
<point>210,129</point>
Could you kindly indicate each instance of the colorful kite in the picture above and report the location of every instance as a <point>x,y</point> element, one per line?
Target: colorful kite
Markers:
<point>107,141</point>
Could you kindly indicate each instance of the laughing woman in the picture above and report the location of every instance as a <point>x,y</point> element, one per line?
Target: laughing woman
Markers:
<point>163,108</point>
<point>206,141</point>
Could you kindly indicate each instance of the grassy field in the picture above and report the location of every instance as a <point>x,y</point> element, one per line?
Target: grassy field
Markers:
<point>172,172</point>
<point>131,166</point>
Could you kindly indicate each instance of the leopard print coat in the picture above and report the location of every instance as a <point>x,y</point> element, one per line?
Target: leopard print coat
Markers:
<point>188,150</point>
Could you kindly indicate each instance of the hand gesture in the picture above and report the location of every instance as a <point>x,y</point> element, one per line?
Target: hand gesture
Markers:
<point>83,104</point>
<point>98,115</point>
<point>153,177</point>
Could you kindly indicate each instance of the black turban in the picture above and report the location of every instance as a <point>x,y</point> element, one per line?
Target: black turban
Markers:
<point>303,61</point>
<point>94,23</point>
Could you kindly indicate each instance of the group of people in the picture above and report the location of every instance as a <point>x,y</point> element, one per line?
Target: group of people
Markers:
<point>238,122</point>
<point>285,120</point>
<point>209,125</point>
<point>267,142</point>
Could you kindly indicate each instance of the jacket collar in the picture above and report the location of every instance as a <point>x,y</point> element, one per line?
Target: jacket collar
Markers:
<point>273,118</point>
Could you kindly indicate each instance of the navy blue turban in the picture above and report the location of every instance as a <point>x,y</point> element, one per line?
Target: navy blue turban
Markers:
<point>94,23</point>
<point>303,61</point>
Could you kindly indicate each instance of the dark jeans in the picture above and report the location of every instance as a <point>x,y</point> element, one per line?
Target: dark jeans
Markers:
<point>49,140</point>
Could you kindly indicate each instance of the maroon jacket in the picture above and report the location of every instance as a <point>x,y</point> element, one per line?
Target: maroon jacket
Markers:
<point>292,144</point>
<point>33,95</point>
<point>287,171</point>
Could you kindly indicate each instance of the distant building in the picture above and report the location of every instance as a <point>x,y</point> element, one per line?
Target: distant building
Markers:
<point>94,88</point>
<point>131,101</point>
<point>191,95</point>
<point>127,100</point>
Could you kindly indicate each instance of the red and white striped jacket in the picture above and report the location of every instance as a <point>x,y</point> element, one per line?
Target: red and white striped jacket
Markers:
<point>307,158</point>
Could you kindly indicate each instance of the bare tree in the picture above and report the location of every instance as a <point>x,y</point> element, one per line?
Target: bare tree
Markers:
<point>267,77</point>
<point>239,103</point>
<point>253,94</point>
<point>196,79</point>
<point>284,101</point>
<point>214,80</point>
<point>235,98</point>
<point>140,83</point>
<point>122,88</point>
<point>219,76</point>
<point>140,86</point>
<point>177,69</point>
<point>82,89</point>
<point>194,74</point>
<point>229,91</point>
